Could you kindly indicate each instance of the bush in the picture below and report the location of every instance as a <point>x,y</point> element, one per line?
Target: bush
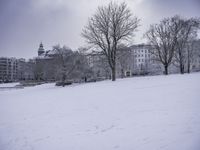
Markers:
<point>30,83</point>
<point>60,83</point>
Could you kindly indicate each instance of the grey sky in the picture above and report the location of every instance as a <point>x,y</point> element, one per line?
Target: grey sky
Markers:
<point>25,23</point>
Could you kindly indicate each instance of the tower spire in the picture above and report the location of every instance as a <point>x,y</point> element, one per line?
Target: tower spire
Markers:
<point>41,49</point>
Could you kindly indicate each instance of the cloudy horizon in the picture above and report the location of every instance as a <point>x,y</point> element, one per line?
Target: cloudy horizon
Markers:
<point>26,23</point>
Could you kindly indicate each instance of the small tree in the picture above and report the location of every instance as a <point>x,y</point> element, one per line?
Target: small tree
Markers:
<point>38,69</point>
<point>63,57</point>
<point>82,69</point>
<point>109,27</point>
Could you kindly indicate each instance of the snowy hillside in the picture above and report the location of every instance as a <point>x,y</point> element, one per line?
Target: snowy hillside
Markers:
<point>142,113</point>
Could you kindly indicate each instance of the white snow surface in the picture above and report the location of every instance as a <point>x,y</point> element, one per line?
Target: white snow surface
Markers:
<point>141,113</point>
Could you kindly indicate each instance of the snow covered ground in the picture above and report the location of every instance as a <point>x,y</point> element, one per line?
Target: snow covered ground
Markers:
<point>142,113</point>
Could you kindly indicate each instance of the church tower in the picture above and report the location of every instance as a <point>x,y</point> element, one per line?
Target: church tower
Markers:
<point>41,50</point>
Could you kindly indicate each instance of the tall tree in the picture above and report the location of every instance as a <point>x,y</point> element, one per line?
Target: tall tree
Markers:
<point>108,27</point>
<point>163,38</point>
<point>188,30</point>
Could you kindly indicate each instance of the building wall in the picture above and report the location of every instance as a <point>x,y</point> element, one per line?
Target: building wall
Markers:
<point>133,60</point>
<point>143,62</point>
<point>8,69</point>
<point>12,69</point>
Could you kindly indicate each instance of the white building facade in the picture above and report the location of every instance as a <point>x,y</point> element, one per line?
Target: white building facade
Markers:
<point>142,62</point>
<point>8,69</point>
<point>133,60</point>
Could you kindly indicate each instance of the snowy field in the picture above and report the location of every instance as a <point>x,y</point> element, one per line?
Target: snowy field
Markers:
<point>141,113</point>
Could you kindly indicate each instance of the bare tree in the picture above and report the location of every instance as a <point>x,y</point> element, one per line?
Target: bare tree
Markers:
<point>197,45</point>
<point>163,38</point>
<point>71,66</point>
<point>39,69</point>
<point>108,27</point>
<point>50,71</point>
<point>189,54</point>
<point>82,69</point>
<point>63,57</point>
<point>188,30</point>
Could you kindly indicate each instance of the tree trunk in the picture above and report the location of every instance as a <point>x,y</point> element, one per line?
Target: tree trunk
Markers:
<point>188,63</point>
<point>181,68</point>
<point>63,79</point>
<point>166,70</point>
<point>113,67</point>
<point>188,67</point>
<point>63,76</point>
<point>122,73</point>
<point>113,74</point>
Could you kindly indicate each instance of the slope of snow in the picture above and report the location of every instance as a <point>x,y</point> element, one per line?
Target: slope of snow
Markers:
<point>142,113</point>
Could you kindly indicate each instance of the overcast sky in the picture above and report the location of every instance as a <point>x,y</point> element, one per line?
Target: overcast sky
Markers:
<point>25,23</point>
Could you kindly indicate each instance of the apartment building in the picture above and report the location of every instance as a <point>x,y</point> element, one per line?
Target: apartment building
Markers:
<point>133,60</point>
<point>8,69</point>
<point>143,61</point>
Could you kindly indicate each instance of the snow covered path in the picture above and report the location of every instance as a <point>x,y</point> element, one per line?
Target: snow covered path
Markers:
<point>142,113</point>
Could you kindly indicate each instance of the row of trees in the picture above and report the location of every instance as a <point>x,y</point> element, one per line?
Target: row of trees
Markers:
<point>172,40</point>
<point>114,25</point>
<point>62,65</point>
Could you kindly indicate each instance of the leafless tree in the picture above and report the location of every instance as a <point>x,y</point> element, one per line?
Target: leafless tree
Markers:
<point>108,27</point>
<point>82,69</point>
<point>188,30</point>
<point>70,65</point>
<point>163,38</point>
<point>63,57</point>
<point>197,45</point>
<point>38,69</point>
<point>50,71</point>
<point>189,54</point>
